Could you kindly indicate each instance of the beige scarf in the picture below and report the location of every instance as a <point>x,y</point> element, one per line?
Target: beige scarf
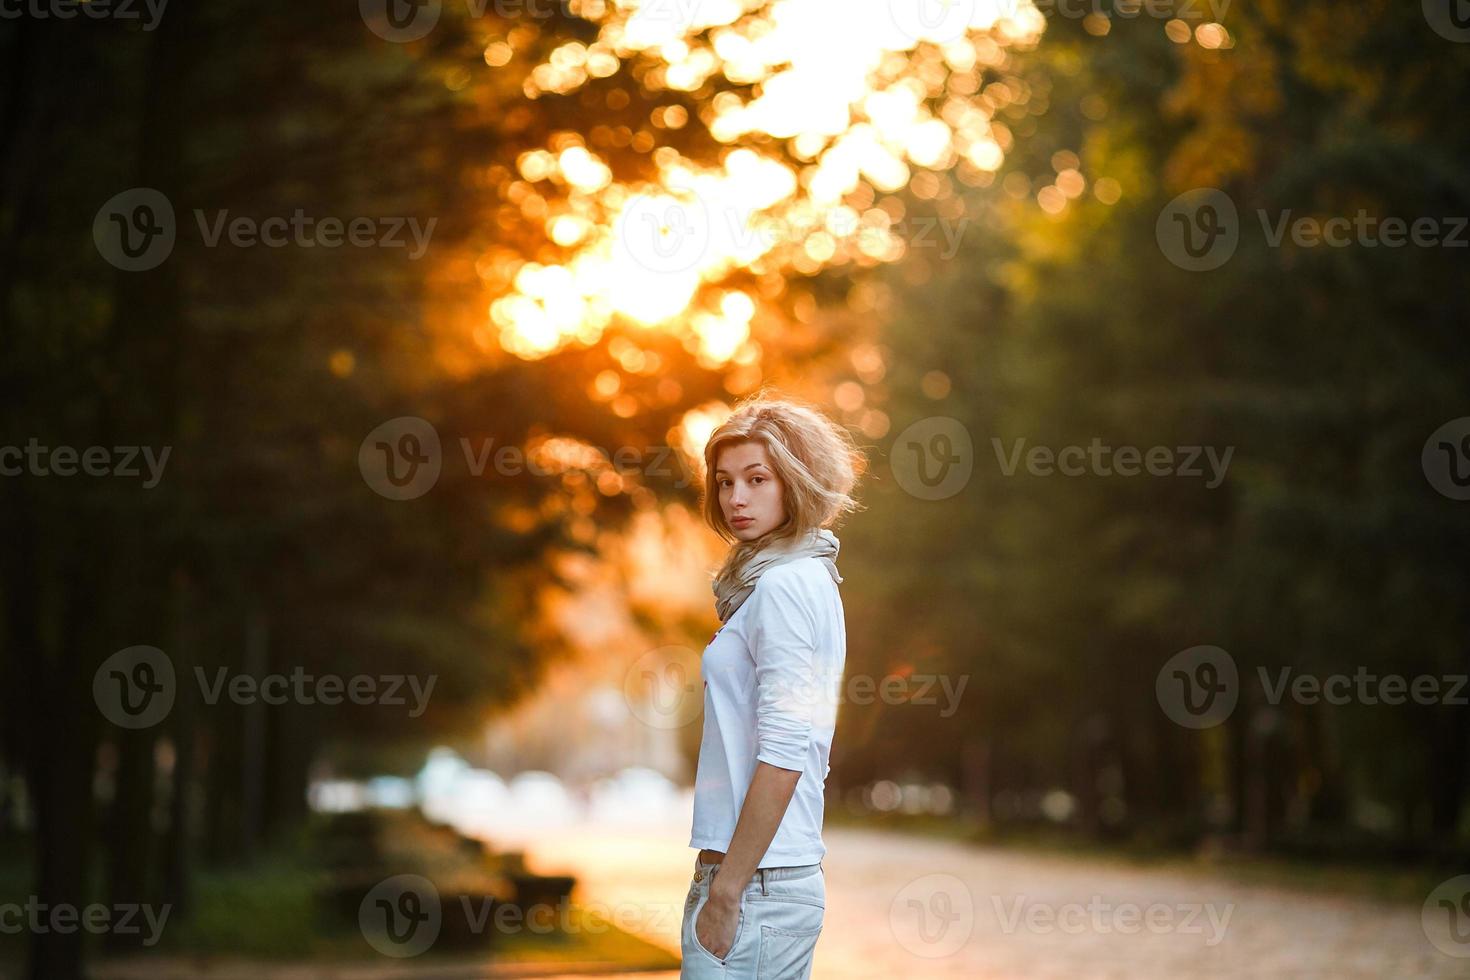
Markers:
<point>735,586</point>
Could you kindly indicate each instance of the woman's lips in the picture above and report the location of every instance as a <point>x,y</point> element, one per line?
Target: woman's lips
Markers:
<point>742,521</point>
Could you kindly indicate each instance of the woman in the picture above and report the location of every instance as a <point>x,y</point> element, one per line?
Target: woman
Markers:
<point>776,474</point>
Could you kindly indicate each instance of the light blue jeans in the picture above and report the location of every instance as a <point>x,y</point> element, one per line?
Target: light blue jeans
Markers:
<point>781,913</point>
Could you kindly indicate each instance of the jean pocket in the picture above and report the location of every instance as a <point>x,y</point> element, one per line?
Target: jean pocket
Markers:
<point>786,953</point>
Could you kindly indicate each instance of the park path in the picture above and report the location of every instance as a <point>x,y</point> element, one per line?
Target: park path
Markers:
<point>900,905</point>
<point>908,906</point>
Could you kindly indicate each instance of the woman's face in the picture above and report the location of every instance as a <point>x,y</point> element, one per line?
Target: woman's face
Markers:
<point>751,495</point>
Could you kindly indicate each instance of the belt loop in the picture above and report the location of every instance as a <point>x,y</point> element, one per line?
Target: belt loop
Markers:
<point>763,881</point>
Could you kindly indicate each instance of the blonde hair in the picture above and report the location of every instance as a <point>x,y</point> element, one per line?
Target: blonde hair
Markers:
<point>816,460</point>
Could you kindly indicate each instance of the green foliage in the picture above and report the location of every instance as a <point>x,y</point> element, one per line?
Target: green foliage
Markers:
<point>1325,549</point>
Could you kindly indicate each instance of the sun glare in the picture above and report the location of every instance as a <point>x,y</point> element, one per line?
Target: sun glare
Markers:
<point>867,100</point>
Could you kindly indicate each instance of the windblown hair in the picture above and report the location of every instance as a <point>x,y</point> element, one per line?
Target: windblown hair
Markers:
<point>816,460</point>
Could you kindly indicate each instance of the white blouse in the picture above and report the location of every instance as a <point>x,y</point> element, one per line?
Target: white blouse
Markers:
<point>772,676</point>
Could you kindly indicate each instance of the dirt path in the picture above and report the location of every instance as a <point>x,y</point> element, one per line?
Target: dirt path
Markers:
<point>913,907</point>
<point>903,906</point>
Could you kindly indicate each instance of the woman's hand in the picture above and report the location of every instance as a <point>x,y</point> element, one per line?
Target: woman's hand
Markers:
<point>715,927</point>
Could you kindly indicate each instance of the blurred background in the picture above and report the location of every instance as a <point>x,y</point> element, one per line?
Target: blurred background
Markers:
<point>356,363</point>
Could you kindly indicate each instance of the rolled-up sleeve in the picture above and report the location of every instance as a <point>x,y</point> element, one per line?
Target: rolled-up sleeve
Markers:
<point>783,644</point>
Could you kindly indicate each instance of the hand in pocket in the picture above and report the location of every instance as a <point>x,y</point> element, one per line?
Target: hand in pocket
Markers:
<point>714,927</point>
